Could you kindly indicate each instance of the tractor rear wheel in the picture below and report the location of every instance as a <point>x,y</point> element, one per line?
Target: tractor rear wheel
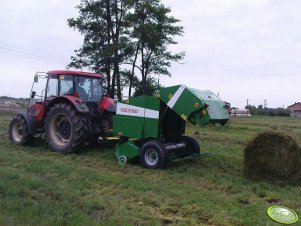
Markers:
<point>192,145</point>
<point>153,155</point>
<point>18,131</point>
<point>66,128</point>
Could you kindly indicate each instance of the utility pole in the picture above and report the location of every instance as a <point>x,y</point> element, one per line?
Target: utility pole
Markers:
<point>265,104</point>
<point>247,102</point>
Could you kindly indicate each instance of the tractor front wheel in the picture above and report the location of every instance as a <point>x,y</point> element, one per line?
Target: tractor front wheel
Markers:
<point>153,155</point>
<point>66,128</point>
<point>18,131</point>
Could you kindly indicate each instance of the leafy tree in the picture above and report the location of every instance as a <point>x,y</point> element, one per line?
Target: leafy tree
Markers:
<point>283,112</point>
<point>153,30</point>
<point>150,89</point>
<point>268,111</point>
<point>252,109</point>
<point>105,40</point>
<point>120,32</point>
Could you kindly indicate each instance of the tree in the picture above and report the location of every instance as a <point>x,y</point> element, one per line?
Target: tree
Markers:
<point>252,109</point>
<point>121,32</point>
<point>153,31</point>
<point>268,111</point>
<point>105,40</point>
<point>150,89</point>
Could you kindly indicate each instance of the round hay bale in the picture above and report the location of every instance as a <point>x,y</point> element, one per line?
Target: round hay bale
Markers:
<point>275,157</point>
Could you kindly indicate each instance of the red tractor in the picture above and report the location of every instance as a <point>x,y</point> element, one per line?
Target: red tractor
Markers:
<point>72,111</point>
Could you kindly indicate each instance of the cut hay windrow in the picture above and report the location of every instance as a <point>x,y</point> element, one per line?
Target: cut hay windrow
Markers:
<point>275,157</point>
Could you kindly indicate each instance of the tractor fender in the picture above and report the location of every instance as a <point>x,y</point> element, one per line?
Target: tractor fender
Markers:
<point>75,101</point>
<point>108,104</point>
<point>30,121</point>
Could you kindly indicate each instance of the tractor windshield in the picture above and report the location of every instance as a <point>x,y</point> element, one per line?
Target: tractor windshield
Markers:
<point>88,89</point>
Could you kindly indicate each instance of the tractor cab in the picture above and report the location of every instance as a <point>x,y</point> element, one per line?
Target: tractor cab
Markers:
<point>86,88</point>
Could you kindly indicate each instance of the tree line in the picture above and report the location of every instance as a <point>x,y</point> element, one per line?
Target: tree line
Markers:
<point>128,41</point>
<point>13,98</point>
<point>260,110</point>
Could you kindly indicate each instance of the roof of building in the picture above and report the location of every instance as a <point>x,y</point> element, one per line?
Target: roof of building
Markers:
<point>297,103</point>
<point>68,72</point>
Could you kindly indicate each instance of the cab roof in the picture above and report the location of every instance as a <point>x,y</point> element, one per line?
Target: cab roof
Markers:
<point>68,72</point>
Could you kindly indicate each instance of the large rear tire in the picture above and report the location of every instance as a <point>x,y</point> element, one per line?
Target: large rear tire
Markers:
<point>18,131</point>
<point>66,128</point>
<point>153,155</point>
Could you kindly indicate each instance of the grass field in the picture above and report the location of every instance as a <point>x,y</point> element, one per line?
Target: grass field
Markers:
<point>39,187</point>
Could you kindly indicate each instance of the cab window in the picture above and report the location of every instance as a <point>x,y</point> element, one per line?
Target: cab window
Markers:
<point>66,85</point>
<point>52,86</point>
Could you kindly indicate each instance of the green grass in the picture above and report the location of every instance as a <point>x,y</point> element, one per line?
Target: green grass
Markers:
<point>39,187</point>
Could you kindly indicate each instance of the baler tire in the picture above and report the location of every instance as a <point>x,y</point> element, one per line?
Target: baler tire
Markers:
<point>192,145</point>
<point>77,131</point>
<point>158,150</point>
<point>20,135</point>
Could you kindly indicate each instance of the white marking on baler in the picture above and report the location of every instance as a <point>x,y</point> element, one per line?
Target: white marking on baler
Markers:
<point>151,113</point>
<point>130,110</point>
<point>176,96</point>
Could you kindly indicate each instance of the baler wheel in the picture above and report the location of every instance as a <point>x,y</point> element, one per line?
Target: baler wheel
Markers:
<point>192,145</point>
<point>66,128</point>
<point>153,155</point>
<point>18,131</point>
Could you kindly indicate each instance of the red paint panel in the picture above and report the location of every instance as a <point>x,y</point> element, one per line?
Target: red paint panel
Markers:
<point>105,103</point>
<point>39,112</point>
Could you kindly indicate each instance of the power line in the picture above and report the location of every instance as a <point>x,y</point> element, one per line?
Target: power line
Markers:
<point>32,55</point>
<point>29,51</point>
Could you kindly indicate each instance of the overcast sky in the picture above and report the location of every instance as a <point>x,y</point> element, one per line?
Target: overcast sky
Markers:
<point>237,48</point>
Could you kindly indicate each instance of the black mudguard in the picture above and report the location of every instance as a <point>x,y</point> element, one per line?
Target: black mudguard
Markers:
<point>30,121</point>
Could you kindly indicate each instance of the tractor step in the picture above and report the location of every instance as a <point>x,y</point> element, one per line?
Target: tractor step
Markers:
<point>194,156</point>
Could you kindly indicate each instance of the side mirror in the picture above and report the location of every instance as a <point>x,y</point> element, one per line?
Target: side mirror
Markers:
<point>33,93</point>
<point>36,79</point>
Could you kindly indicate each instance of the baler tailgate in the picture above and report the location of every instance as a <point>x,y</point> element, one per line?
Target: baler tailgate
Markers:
<point>197,106</point>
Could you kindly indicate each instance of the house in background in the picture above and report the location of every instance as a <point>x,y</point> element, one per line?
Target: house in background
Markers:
<point>240,112</point>
<point>295,109</point>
